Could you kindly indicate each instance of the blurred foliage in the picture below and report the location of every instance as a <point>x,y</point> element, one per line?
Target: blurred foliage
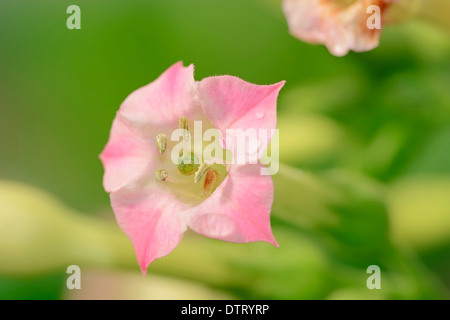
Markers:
<point>366,138</point>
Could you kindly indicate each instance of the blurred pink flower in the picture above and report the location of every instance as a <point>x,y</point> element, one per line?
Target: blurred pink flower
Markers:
<point>341,25</point>
<point>153,207</point>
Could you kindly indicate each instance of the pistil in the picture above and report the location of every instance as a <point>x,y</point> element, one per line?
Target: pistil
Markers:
<point>188,163</point>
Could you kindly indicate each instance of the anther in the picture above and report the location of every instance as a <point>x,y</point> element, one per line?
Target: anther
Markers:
<point>184,126</point>
<point>204,167</point>
<point>161,141</point>
<point>212,181</point>
<point>162,174</point>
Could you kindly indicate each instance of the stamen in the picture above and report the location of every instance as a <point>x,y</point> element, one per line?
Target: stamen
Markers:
<point>184,125</point>
<point>212,181</point>
<point>161,140</point>
<point>204,167</point>
<point>187,164</point>
<point>162,174</point>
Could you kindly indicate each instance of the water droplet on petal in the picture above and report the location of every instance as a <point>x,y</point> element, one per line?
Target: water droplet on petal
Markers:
<point>259,115</point>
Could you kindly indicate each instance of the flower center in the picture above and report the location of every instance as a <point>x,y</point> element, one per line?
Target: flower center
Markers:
<point>191,178</point>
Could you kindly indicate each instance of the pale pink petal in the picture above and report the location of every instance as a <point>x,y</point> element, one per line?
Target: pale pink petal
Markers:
<point>232,103</point>
<point>340,25</point>
<point>163,101</point>
<point>150,218</point>
<point>239,209</point>
<point>127,155</point>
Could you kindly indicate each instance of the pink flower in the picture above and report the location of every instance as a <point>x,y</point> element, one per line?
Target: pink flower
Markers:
<point>156,200</point>
<point>341,25</point>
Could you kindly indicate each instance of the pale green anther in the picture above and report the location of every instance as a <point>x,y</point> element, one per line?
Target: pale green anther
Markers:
<point>161,140</point>
<point>162,174</point>
<point>184,125</point>
<point>204,167</point>
<point>212,181</point>
<point>188,163</point>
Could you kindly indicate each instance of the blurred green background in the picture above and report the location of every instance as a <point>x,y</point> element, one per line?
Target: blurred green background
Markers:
<point>364,139</point>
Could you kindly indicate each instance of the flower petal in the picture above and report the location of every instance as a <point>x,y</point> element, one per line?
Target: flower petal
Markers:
<point>232,103</point>
<point>239,209</point>
<point>126,155</point>
<point>150,218</point>
<point>163,101</point>
<point>341,27</point>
